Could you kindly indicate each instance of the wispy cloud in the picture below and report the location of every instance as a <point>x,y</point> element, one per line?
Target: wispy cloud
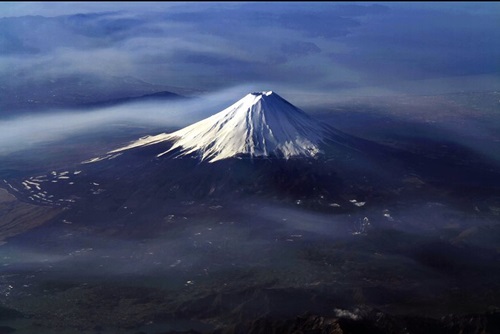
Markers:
<point>24,132</point>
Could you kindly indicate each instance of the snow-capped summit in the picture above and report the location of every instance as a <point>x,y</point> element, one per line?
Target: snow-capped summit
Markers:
<point>261,124</point>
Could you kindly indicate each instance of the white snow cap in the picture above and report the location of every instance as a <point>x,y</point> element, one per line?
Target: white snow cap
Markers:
<point>261,124</point>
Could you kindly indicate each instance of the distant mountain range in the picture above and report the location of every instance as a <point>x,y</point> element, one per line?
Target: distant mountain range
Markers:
<point>76,91</point>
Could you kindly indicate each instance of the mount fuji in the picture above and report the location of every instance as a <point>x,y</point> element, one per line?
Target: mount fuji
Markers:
<point>261,124</point>
<point>261,145</point>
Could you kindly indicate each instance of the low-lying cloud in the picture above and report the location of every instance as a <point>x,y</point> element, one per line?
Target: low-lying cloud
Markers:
<point>23,132</point>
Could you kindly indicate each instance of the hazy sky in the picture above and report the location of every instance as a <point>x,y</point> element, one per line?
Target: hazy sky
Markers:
<point>337,48</point>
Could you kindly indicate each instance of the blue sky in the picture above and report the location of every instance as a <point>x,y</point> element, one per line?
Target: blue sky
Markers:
<point>333,48</point>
